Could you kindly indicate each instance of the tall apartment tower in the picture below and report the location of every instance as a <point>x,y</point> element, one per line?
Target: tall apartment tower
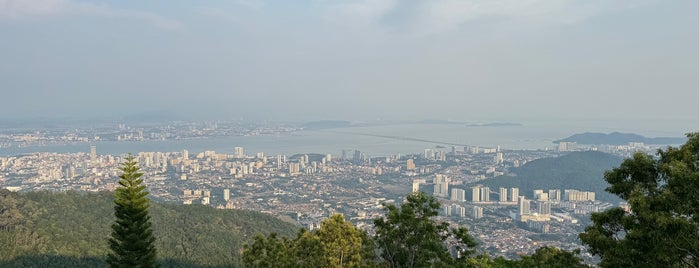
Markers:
<point>523,205</point>
<point>458,195</point>
<point>477,212</point>
<point>410,164</point>
<point>238,152</point>
<point>503,194</point>
<point>555,195</point>
<point>226,194</point>
<point>514,193</point>
<point>93,153</point>
<point>485,194</point>
<point>185,155</point>
<point>441,185</point>
<point>476,194</point>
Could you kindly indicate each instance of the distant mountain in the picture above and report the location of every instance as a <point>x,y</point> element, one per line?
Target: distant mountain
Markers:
<point>576,170</point>
<point>617,138</point>
<point>47,229</point>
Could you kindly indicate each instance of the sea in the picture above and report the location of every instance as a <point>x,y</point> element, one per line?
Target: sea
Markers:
<point>381,140</point>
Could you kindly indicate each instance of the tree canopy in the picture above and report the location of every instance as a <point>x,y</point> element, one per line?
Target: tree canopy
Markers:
<point>409,237</point>
<point>132,241</point>
<point>661,226</point>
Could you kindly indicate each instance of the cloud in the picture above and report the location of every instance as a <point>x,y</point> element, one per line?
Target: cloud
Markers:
<point>360,13</point>
<point>425,17</point>
<point>29,9</point>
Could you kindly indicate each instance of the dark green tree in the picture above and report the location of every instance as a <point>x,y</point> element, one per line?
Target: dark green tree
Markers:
<point>409,237</point>
<point>661,229</point>
<point>132,242</point>
<point>270,251</point>
<point>337,243</point>
<point>551,257</point>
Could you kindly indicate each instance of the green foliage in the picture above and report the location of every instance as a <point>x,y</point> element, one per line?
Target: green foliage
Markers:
<point>409,237</point>
<point>336,244</point>
<point>662,229</point>
<point>576,170</point>
<point>70,229</point>
<point>268,251</point>
<point>550,257</point>
<point>132,241</point>
<point>341,242</point>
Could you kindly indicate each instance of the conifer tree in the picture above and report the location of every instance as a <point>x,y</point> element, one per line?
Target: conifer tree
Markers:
<point>132,242</point>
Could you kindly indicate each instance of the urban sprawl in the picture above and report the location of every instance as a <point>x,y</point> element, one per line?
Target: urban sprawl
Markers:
<point>306,188</point>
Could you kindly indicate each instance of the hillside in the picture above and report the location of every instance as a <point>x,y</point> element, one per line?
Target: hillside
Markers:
<point>617,138</point>
<point>71,230</point>
<point>576,170</point>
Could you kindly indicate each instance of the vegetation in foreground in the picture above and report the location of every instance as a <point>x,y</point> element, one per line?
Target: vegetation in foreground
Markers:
<point>661,228</point>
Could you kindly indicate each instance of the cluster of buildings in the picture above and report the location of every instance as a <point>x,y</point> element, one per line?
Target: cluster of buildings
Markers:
<point>307,188</point>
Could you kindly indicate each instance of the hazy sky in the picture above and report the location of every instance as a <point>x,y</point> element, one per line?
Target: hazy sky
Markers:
<point>463,60</point>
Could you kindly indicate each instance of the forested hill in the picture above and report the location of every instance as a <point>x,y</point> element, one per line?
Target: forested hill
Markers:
<point>616,138</point>
<point>576,170</point>
<point>70,229</point>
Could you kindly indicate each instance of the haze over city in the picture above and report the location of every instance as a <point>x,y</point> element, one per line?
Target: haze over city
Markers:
<point>616,63</point>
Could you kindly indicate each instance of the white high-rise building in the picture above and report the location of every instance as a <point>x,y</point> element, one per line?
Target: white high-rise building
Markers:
<point>441,185</point>
<point>185,155</point>
<point>498,159</point>
<point>514,194</point>
<point>429,154</point>
<point>458,195</point>
<point>416,184</point>
<point>477,212</point>
<point>93,153</point>
<point>226,194</point>
<point>555,195</point>
<point>238,152</point>
<point>523,205</point>
<point>503,194</point>
<point>485,194</point>
<point>476,194</point>
<point>544,208</point>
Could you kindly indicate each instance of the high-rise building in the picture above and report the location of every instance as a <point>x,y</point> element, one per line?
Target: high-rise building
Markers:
<point>185,155</point>
<point>294,168</point>
<point>476,194</point>
<point>410,164</point>
<point>498,159</point>
<point>238,152</point>
<point>544,208</point>
<point>523,205</point>
<point>458,195</point>
<point>485,194</point>
<point>575,195</point>
<point>416,184</point>
<point>357,156</point>
<point>566,146</point>
<point>226,194</point>
<point>429,154</point>
<point>555,195</point>
<point>477,212</point>
<point>441,185</point>
<point>514,194</point>
<point>503,194</point>
<point>93,153</point>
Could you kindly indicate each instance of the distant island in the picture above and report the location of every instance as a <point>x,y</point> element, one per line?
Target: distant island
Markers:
<point>617,138</point>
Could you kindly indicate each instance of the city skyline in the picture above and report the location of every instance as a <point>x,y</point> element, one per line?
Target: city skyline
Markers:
<point>627,63</point>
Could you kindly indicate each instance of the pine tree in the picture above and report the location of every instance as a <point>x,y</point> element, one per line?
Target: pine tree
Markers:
<point>132,242</point>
